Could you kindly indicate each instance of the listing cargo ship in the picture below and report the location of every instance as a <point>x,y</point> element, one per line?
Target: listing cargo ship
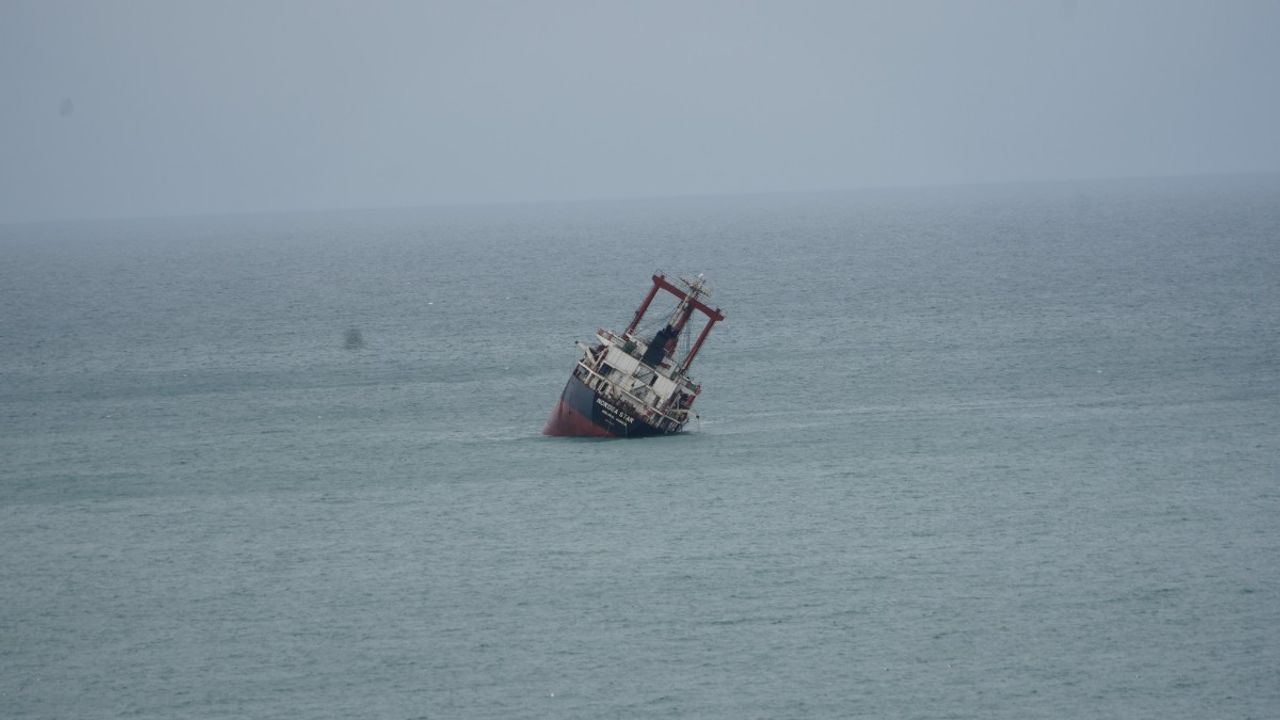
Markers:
<point>636,384</point>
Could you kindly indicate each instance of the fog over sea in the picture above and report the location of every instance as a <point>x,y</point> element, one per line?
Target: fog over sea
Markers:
<point>970,452</point>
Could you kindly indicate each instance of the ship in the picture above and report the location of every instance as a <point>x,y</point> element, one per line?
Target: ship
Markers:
<point>637,384</point>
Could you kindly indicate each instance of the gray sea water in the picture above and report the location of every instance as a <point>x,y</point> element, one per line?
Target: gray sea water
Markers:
<point>996,452</point>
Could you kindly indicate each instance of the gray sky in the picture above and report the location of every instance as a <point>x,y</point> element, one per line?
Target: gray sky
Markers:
<point>143,107</point>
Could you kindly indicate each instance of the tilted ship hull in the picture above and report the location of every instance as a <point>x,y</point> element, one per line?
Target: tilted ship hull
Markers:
<point>634,385</point>
<point>583,412</point>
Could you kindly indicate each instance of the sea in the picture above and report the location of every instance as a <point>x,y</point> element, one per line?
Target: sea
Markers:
<point>1002,451</point>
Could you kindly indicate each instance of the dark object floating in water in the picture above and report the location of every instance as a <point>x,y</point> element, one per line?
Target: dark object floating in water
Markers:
<point>352,339</point>
<point>633,386</point>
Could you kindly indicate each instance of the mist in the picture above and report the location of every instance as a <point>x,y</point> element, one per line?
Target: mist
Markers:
<point>173,108</point>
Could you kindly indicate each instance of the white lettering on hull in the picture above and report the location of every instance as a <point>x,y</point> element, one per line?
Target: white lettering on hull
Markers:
<point>613,412</point>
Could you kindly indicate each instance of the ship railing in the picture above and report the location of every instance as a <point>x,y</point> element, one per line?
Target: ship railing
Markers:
<point>675,416</point>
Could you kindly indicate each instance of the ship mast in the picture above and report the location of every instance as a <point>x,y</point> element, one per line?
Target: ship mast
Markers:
<point>690,300</point>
